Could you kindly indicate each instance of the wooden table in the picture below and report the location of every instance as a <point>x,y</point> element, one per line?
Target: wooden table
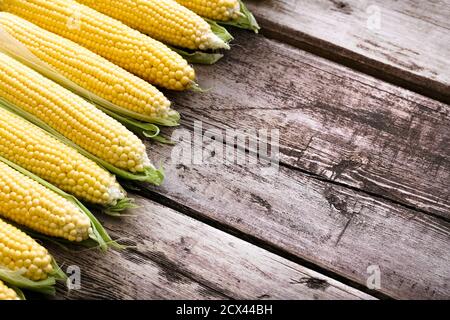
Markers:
<point>361,105</point>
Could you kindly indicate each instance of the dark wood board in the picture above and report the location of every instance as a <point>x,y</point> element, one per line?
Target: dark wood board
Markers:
<point>409,46</point>
<point>333,227</point>
<point>172,256</point>
<point>338,124</point>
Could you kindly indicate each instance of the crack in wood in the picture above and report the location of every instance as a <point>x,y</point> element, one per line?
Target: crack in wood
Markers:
<point>342,207</point>
<point>263,203</point>
<point>344,165</point>
<point>174,271</point>
<point>342,6</point>
<point>312,283</point>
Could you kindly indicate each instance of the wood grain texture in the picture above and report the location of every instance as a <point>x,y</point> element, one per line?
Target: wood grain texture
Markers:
<point>173,256</point>
<point>339,129</point>
<point>331,226</point>
<point>411,46</point>
<point>336,123</point>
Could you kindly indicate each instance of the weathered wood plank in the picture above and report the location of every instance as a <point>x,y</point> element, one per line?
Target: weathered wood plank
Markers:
<point>410,45</point>
<point>331,226</point>
<point>176,257</point>
<point>334,122</point>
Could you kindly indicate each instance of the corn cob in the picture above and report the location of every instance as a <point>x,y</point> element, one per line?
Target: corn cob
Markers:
<point>88,69</point>
<point>33,149</point>
<point>126,47</point>
<point>72,116</point>
<point>164,20</point>
<point>7,293</point>
<point>220,10</point>
<point>28,203</point>
<point>19,252</point>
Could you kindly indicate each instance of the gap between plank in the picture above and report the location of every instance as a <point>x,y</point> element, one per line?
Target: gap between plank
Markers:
<point>368,66</point>
<point>172,204</point>
<point>336,183</point>
<point>184,274</point>
<point>369,193</point>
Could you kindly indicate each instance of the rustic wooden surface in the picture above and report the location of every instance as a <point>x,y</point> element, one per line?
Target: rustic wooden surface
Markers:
<point>363,177</point>
<point>410,47</point>
<point>341,125</point>
<point>331,226</point>
<point>174,256</point>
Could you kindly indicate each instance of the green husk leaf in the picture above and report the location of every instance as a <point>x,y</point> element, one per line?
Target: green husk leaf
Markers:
<point>163,140</point>
<point>124,204</point>
<point>146,130</point>
<point>198,57</point>
<point>196,88</point>
<point>99,234</point>
<point>151,174</point>
<point>57,273</point>
<point>20,52</point>
<point>172,120</point>
<point>47,286</point>
<point>19,293</point>
<point>16,279</point>
<point>245,21</point>
<point>121,206</point>
<point>140,128</point>
<point>220,31</point>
